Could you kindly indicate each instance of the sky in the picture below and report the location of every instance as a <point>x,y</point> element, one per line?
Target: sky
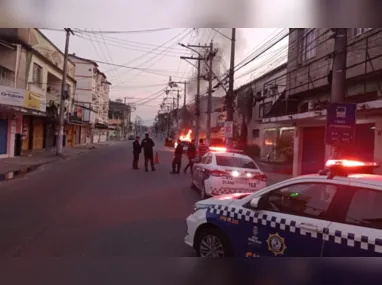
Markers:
<point>138,64</point>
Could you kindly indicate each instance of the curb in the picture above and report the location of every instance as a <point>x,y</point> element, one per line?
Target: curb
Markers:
<point>15,173</point>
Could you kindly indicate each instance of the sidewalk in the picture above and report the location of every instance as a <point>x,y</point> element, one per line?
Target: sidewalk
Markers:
<point>12,167</point>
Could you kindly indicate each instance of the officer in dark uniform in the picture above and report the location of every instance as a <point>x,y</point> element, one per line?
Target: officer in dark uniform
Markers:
<point>136,151</point>
<point>177,161</point>
<point>148,145</point>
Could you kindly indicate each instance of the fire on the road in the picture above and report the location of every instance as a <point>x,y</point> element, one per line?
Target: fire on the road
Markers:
<point>186,138</point>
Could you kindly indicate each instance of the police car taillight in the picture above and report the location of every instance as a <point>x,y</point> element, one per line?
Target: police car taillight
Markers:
<point>218,173</point>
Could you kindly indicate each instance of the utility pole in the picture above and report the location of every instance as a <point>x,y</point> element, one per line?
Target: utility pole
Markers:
<point>338,82</point>
<point>63,95</point>
<point>230,95</point>
<point>197,107</point>
<point>197,97</point>
<point>177,109</point>
<point>209,100</point>
<point>172,84</point>
<point>338,88</point>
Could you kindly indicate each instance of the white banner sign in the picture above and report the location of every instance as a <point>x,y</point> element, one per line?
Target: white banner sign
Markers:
<point>12,96</point>
<point>228,129</point>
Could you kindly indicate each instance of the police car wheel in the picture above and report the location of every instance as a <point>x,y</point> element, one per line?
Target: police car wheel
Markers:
<point>212,243</point>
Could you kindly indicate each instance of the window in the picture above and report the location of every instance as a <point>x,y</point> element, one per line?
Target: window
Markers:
<point>37,75</point>
<point>264,109</point>
<point>7,77</point>
<point>232,161</point>
<point>307,199</point>
<point>309,44</point>
<point>365,209</point>
<point>255,133</point>
<point>208,159</point>
<point>204,158</point>
<point>357,31</point>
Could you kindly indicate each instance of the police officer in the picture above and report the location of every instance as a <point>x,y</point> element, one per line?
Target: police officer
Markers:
<point>136,151</point>
<point>191,154</point>
<point>148,145</point>
<point>177,161</point>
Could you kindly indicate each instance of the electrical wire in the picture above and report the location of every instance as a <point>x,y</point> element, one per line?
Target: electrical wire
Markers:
<point>127,32</point>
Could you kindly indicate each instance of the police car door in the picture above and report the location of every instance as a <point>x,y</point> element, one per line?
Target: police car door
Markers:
<point>198,170</point>
<point>289,221</point>
<point>358,230</point>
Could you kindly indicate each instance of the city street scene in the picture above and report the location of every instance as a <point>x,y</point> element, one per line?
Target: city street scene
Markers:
<point>193,142</point>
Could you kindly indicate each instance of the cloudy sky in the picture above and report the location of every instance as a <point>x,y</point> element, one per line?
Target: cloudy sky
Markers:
<point>138,64</point>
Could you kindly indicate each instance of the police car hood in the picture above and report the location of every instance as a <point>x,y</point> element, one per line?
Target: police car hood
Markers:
<point>222,199</point>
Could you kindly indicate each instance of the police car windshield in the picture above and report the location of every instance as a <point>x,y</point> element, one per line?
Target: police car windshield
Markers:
<point>232,161</point>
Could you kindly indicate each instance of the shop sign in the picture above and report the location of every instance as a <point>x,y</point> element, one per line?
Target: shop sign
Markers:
<point>12,96</point>
<point>22,98</point>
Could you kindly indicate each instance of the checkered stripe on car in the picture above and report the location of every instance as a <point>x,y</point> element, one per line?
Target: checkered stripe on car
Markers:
<point>278,222</point>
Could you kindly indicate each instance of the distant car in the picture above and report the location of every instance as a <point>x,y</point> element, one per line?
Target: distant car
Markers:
<point>226,172</point>
<point>131,137</point>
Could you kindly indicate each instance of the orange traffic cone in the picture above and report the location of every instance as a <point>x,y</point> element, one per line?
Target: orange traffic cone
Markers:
<point>156,160</point>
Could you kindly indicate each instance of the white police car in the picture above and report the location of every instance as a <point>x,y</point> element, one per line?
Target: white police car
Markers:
<point>225,172</point>
<point>332,214</point>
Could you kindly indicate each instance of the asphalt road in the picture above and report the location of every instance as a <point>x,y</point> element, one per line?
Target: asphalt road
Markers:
<point>96,205</point>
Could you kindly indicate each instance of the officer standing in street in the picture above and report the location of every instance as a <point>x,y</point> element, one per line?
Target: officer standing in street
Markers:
<point>191,155</point>
<point>177,161</point>
<point>136,151</point>
<point>148,145</point>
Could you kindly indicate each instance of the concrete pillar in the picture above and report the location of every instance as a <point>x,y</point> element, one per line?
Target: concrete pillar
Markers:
<point>378,145</point>
<point>297,151</point>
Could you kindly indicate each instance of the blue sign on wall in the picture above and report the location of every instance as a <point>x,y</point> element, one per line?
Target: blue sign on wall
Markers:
<point>340,123</point>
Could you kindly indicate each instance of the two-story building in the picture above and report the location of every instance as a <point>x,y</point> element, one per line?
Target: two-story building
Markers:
<point>308,93</point>
<point>93,96</point>
<point>32,70</point>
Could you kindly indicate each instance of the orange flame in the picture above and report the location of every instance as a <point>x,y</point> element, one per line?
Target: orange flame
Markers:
<point>186,137</point>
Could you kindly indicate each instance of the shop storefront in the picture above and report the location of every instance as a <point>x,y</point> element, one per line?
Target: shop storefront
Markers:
<point>33,131</point>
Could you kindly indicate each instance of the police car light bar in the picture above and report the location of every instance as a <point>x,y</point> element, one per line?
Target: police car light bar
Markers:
<point>224,149</point>
<point>350,163</point>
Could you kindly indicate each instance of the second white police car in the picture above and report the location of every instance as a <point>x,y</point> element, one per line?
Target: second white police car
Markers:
<point>226,172</point>
<point>337,213</point>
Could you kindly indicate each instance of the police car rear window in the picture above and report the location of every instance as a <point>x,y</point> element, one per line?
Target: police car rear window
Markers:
<point>232,161</point>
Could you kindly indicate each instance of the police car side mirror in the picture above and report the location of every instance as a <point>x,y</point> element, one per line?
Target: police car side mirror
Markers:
<point>255,202</point>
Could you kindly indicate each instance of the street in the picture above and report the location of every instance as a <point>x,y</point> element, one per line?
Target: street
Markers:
<point>96,205</point>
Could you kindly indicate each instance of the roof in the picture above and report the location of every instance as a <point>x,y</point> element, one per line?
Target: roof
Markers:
<point>84,59</point>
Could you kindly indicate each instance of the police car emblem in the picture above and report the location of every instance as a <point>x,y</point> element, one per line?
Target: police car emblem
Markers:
<point>276,244</point>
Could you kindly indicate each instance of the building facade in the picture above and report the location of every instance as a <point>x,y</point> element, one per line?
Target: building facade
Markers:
<point>308,93</point>
<point>31,71</point>
<point>92,95</point>
<point>119,119</point>
<point>254,101</point>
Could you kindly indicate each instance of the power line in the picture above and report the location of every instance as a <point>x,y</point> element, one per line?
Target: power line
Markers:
<point>127,32</point>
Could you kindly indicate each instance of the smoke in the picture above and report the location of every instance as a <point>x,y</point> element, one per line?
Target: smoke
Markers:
<point>220,65</point>
<point>221,61</point>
